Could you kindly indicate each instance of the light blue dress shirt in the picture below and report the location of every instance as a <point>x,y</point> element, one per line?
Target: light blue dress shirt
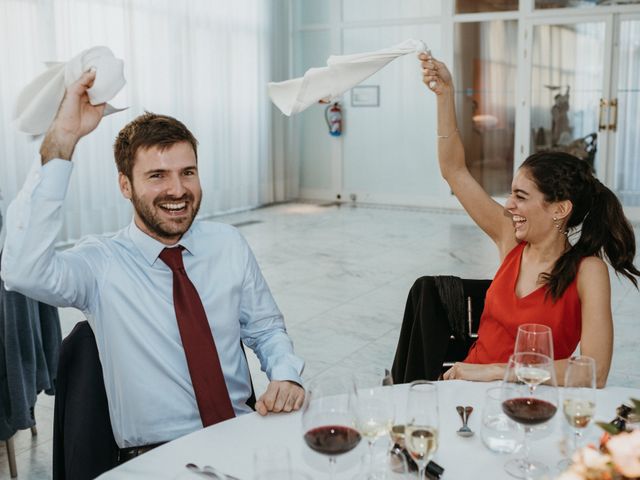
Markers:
<point>126,292</point>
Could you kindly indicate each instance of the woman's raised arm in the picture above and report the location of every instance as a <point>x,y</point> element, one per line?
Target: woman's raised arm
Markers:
<point>486,212</point>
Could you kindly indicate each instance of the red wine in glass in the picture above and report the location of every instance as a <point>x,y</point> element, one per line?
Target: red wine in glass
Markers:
<point>530,398</point>
<point>528,410</point>
<point>329,417</point>
<point>332,439</point>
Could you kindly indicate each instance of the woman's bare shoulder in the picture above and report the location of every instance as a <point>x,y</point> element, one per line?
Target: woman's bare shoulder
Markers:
<point>593,273</point>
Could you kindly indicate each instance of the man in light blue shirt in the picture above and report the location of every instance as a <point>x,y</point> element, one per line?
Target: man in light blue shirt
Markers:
<point>126,291</point>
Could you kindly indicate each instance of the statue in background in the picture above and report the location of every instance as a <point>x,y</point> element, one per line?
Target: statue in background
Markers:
<point>560,128</point>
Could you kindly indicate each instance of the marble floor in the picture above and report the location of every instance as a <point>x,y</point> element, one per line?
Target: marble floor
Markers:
<point>341,274</point>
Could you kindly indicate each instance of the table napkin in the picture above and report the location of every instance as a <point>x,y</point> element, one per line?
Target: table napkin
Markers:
<point>341,73</point>
<point>39,101</point>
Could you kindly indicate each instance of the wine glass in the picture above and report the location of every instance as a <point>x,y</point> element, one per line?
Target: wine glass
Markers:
<point>329,417</point>
<point>530,398</point>
<point>374,417</point>
<point>421,430</point>
<point>578,397</point>
<point>534,338</point>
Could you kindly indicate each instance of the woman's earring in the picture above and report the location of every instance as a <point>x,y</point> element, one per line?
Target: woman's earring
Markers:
<point>558,226</point>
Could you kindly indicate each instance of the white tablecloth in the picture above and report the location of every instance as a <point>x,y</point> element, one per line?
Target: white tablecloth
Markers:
<point>229,446</point>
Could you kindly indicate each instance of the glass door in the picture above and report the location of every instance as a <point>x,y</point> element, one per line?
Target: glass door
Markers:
<point>624,115</point>
<point>568,84</point>
<point>585,96</point>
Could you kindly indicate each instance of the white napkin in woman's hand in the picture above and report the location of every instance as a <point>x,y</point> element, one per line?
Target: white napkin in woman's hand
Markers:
<point>39,101</point>
<point>341,73</point>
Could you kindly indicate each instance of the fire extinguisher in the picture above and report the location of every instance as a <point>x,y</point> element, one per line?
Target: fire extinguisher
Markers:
<point>333,116</point>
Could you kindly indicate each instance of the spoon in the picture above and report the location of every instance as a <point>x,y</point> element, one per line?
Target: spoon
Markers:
<point>464,413</point>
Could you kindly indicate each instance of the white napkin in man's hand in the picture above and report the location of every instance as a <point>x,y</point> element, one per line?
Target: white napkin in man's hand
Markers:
<point>341,73</point>
<point>39,101</point>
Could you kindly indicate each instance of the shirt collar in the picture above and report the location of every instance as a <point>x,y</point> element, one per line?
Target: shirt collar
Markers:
<point>151,248</point>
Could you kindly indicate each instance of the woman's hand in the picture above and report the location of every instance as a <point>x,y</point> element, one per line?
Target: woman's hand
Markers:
<point>474,372</point>
<point>435,74</point>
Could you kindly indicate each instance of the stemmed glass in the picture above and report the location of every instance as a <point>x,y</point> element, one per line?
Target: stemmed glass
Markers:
<point>530,398</point>
<point>579,397</point>
<point>374,417</point>
<point>421,430</point>
<point>329,417</point>
<point>534,338</point>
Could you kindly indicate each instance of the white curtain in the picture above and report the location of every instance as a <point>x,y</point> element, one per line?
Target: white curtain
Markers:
<point>206,62</point>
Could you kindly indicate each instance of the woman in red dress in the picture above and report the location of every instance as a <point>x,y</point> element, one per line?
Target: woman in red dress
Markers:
<point>543,278</point>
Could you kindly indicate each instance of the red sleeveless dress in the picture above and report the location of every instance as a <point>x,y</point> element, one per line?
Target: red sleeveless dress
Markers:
<point>504,312</point>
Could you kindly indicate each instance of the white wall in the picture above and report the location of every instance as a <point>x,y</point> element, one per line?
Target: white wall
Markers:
<point>387,154</point>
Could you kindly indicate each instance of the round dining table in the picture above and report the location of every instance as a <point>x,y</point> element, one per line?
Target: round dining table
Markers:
<point>230,446</point>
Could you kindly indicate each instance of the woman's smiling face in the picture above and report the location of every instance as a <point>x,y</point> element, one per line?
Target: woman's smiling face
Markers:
<point>532,215</point>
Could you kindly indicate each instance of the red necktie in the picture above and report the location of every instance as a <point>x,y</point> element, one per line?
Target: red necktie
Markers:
<point>199,348</point>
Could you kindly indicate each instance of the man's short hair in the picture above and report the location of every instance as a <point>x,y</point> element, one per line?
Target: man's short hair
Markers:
<point>147,131</point>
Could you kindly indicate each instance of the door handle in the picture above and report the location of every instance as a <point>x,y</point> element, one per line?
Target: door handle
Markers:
<point>614,106</point>
<point>601,125</point>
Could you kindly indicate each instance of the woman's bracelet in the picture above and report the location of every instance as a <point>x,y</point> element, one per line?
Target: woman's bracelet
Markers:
<point>450,135</point>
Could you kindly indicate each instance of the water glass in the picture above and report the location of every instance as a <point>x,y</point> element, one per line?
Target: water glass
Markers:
<point>272,462</point>
<point>498,432</point>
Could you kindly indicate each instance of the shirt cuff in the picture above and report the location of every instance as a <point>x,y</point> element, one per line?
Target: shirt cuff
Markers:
<point>52,179</point>
<point>287,372</point>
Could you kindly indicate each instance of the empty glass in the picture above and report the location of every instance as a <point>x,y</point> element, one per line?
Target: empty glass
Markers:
<point>272,462</point>
<point>499,433</point>
<point>534,338</point>
<point>384,465</point>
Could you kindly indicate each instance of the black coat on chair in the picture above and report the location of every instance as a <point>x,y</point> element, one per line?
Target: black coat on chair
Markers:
<point>83,443</point>
<point>440,318</point>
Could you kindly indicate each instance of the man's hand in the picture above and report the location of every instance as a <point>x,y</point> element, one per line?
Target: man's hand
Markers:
<point>474,372</point>
<point>76,118</point>
<point>282,396</point>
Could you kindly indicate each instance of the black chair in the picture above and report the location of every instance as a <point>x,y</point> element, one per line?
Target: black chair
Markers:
<point>440,323</point>
<point>83,442</point>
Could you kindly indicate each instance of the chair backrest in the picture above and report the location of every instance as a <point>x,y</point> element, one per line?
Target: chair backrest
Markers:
<point>474,296</point>
<point>83,443</point>
<point>427,338</point>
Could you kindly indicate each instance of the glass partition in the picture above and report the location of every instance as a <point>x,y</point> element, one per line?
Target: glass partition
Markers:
<point>485,81</point>
<point>625,116</point>
<point>566,88</point>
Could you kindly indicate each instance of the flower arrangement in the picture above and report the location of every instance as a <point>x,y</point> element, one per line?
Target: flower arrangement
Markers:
<point>618,457</point>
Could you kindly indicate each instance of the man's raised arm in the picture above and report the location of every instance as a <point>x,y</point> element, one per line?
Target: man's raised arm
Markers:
<point>30,263</point>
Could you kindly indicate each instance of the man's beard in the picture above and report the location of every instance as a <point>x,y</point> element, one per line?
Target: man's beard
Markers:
<point>164,228</point>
